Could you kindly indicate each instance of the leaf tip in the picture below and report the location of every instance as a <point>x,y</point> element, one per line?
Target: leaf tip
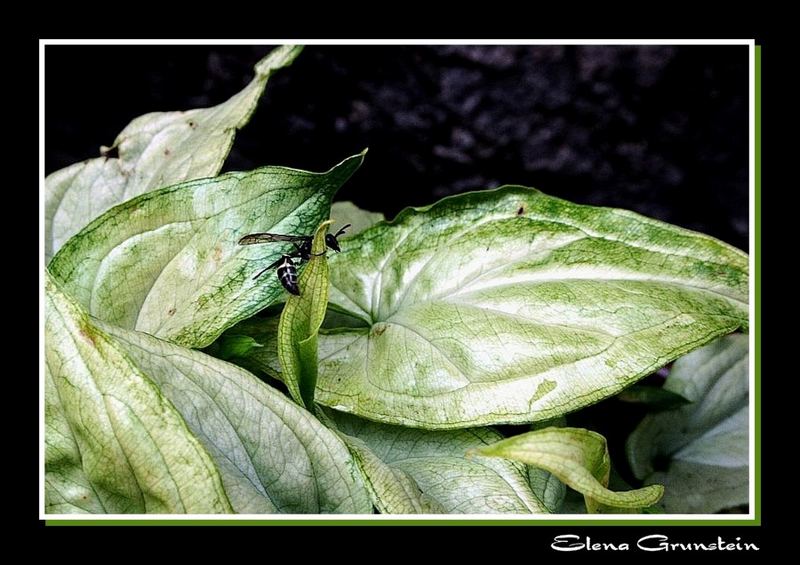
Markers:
<point>324,224</point>
<point>280,57</point>
<point>658,492</point>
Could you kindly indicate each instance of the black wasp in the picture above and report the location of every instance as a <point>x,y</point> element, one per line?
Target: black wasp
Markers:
<point>287,270</point>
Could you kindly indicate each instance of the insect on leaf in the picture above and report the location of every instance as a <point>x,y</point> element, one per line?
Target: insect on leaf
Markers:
<point>168,262</point>
<point>510,306</point>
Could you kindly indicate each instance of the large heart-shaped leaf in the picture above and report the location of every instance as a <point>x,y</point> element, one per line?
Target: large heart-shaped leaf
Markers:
<point>700,452</point>
<point>511,306</point>
<point>168,263</point>
<point>414,471</point>
<point>113,443</point>
<point>155,150</point>
<point>270,455</point>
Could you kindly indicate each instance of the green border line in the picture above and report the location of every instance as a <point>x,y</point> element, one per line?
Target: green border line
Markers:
<point>757,283</point>
<point>534,522</point>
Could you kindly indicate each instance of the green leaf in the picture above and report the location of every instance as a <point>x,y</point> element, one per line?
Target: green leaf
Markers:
<point>509,306</point>
<point>113,443</point>
<point>412,471</point>
<point>270,454</point>
<point>231,346</point>
<point>696,488</point>
<point>392,490</point>
<point>544,484</point>
<point>155,150</point>
<point>579,458</point>
<point>547,488</point>
<point>300,321</point>
<point>348,213</point>
<point>657,398</point>
<point>263,356</point>
<point>701,448</point>
<point>273,455</point>
<point>168,263</point>
<point>722,363</point>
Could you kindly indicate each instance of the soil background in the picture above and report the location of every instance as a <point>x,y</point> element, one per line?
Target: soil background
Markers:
<point>661,130</point>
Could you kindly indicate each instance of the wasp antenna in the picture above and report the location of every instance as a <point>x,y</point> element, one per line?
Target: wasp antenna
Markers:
<point>341,229</point>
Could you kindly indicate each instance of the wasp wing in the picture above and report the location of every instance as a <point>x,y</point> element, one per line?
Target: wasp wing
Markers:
<point>253,238</point>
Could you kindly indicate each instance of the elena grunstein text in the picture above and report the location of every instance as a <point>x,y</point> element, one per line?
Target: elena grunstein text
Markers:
<point>655,542</point>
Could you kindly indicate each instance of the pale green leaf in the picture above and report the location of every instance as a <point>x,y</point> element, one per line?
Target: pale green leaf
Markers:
<point>273,455</point>
<point>695,488</point>
<point>414,471</point>
<point>712,369</point>
<point>579,458</point>
<point>300,321</point>
<point>113,443</point>
<point>509,306</point>
<point>348,213</point>
<point>392,490</point>
<point>155,150</point>
<point>547,488</point>
<point>701,449</point>
<point>168,262</point>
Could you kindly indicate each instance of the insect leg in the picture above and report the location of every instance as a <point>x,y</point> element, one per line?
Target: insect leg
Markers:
<point>272,266</point>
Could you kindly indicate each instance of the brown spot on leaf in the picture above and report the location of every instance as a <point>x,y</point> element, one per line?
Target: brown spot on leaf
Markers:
<point>217,255</point>
<point>521,210</point>
<point>378,329</point>
<point>86,333</point>
<point>192,124</point>
<point>171,312</point>
<point>167,152</point>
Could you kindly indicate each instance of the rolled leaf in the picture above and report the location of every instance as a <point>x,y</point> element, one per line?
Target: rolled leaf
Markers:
<point>579,458</point>
<point>300,321</point>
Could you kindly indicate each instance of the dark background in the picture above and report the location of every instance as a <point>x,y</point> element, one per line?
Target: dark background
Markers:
<point>658,129</point>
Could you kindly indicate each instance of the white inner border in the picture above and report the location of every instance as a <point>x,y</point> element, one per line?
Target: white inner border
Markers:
<point>379,517</point>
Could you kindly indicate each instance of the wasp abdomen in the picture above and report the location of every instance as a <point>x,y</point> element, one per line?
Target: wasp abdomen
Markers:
<point>287,273</point>
<point>287,270</point>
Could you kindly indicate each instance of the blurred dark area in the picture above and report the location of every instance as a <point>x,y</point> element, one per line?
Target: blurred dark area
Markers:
<point>662,130</point>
